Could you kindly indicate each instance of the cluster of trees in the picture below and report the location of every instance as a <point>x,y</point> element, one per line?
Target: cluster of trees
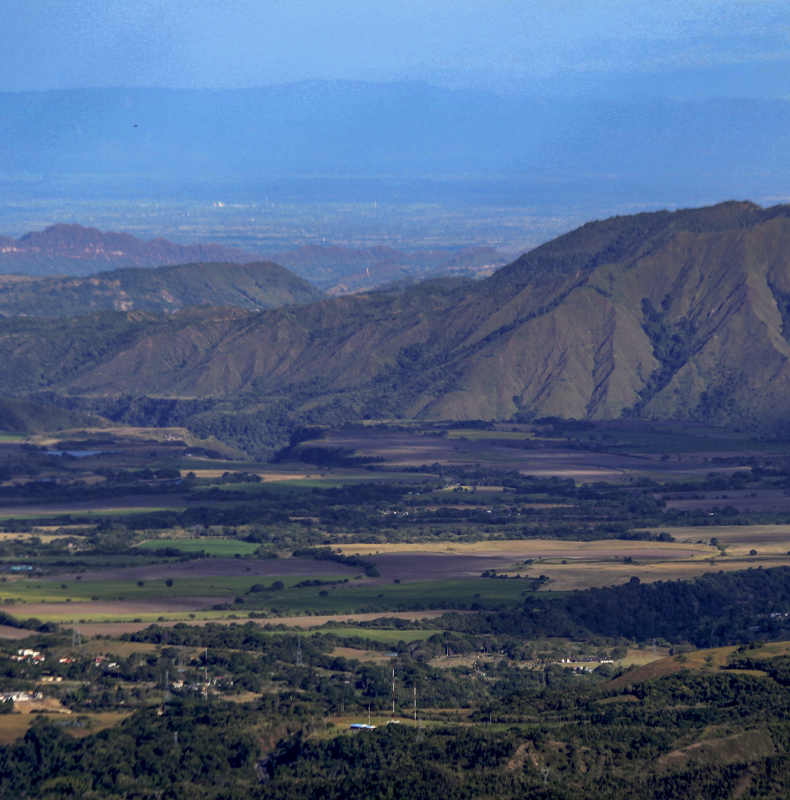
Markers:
<point>709,611</point>
<point>327,554</point>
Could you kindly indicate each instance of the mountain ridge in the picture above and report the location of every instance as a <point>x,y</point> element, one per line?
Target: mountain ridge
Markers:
<point>78,250</point>
<point>253,286</point>
<point>672,315</point>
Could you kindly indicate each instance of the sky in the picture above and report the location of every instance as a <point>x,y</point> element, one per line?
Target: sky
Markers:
<point>683,50</point>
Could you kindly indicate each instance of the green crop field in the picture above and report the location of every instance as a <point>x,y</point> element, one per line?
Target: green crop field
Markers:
<point>38,591</point>
<point>88,517</point>
<point>349,599</point>
<point>225,548</point>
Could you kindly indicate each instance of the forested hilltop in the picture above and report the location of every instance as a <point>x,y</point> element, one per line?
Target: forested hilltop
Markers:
<point>664,315</point>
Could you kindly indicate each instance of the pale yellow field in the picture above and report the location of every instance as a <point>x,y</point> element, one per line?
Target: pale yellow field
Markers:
<point>602,563</point>
<point>45,537</point>
<point>739,539</point>
<point>531,548</point>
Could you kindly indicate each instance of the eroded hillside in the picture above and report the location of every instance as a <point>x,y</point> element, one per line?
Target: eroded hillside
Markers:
<point>677,315</point>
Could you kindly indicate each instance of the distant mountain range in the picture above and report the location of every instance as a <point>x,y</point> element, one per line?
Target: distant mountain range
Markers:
<point>74,250</point>
<point>539,151</point>
<point>682,315</point>
<point>254,286</point>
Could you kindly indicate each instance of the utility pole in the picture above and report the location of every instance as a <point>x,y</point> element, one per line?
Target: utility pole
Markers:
<point>76,636</point>
<point>393,690</point>
<point>205,670</point>
<point>299,650</point>
<point>415,702</point>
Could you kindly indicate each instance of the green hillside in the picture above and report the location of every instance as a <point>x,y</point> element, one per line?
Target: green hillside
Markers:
<point>668,315</point>
<point>23,416</point>
<point>254,286</point>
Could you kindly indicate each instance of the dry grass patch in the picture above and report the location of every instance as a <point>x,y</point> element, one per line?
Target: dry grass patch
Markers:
<point>100,647</point>
<point>15,726</point>
<point>538,548</point>
<point>376,656</point>
<point>46,538</point>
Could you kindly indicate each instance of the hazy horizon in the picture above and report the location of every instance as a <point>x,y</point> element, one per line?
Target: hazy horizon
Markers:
<point>497,123</point>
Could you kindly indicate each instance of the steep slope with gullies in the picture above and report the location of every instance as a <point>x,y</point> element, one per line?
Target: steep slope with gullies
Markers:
<point>254,286</point>
<point>666,315</point>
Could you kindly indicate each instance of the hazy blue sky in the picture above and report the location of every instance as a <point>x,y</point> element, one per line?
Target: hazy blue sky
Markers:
<point>682,49</point>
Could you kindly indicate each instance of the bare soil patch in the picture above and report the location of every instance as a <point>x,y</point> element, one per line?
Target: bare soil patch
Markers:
<point>49,704</point>
<point>14,634</point>
<point>109,608</point>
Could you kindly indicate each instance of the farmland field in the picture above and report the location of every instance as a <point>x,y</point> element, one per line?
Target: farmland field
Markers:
<point>223,548</point>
